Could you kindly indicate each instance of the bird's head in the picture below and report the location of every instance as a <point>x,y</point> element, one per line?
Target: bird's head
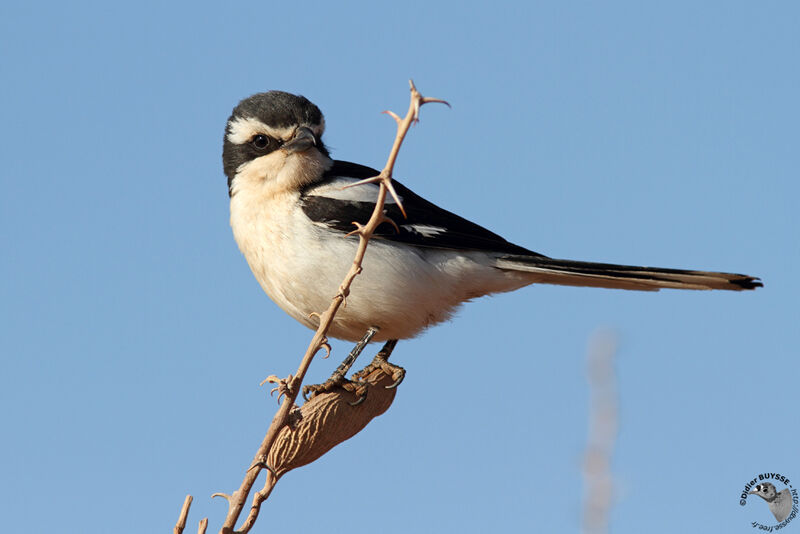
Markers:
<point>273,142</point>
<point>766,491</point>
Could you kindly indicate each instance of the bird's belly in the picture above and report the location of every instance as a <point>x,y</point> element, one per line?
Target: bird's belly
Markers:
<point>401,290</point>
<point>399,295</point>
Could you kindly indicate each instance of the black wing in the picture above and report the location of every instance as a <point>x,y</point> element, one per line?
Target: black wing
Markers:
<point>427,225</point>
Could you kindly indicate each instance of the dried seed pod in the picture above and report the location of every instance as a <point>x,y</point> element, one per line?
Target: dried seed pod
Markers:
<point>327,420</point>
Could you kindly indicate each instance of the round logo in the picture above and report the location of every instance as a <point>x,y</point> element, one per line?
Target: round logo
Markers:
<point>773,495</point>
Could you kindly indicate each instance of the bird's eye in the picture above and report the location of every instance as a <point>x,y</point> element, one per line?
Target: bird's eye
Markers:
<point>260,141</point>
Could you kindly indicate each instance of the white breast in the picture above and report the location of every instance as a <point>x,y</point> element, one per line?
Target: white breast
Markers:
<point>402,289</point>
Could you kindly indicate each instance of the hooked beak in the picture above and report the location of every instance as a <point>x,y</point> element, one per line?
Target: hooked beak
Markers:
<point>303,140</point>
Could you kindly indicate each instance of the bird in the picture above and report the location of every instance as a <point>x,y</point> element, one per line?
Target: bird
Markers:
<point>292,207</point>
<point>780,503</point>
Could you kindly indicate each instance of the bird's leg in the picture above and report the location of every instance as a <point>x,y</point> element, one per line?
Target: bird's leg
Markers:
<point>381,361</point>
<point>338,380</point>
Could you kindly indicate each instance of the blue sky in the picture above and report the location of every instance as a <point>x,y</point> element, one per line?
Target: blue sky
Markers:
<point>133,335</point>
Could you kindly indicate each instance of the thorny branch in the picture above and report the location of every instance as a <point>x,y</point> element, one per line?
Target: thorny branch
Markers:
<point>290,387</point>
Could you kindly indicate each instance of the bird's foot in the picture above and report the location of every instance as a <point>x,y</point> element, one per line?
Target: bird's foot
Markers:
<point>338,380</point>
<point>381,361</point>
<point>335,382</point>
<point>358,384</point>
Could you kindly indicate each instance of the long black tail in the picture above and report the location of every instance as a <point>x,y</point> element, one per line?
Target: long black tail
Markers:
<point>587,274</point>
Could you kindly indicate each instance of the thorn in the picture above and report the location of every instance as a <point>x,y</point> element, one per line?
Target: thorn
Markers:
<point>223,495</point>
<point>396,198</point>
<point>314,314</point>
<point>344,292</point>
<point>389,220</point>
<point>430,100</point>
<point>418,101</point>
<point>373,180</point>
<point>393,115</point>
<point>359,229</point>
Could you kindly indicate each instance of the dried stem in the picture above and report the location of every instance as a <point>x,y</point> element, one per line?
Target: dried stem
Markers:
<point>236,501</point>
<point>181,524</point>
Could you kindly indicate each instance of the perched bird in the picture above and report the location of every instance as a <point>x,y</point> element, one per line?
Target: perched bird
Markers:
<point>780,503</point>
<point>290,213</point>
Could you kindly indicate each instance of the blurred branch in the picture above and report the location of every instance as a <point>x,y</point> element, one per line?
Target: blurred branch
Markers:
<point>603,427</point>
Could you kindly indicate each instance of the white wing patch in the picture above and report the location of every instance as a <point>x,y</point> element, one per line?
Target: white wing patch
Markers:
<point>424,230</point>
<point>335,189</point>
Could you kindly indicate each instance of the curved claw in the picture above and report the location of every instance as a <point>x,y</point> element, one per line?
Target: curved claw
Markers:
<point>272,379</point>
<point>397,382</point>
<point>262,464</point>
<point>282,388</point>
<point>305,393</point>
<point>359,400</point>
<point>327,346</point>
